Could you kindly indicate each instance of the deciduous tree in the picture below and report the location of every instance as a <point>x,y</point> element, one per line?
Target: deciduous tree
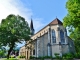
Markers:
<point>72,20</point>
<point>13,29</point>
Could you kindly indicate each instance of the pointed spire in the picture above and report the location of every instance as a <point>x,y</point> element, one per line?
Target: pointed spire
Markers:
<point>31,27</point>
<point>31,24</point>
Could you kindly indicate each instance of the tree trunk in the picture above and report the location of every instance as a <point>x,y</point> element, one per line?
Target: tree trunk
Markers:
<point>9,51</point>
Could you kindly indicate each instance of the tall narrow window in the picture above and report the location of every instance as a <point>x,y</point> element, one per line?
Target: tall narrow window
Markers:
<point>34,52</point>
<point>53,36</point>
<point>49,49</point>
<point>62,36</point>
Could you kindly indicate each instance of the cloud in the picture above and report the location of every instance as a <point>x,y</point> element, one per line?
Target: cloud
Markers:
<point>13,7</point>
<point>18,7</point>
<point>6,8</point>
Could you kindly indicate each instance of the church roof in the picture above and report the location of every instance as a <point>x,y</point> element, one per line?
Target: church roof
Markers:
<point>56,21</point>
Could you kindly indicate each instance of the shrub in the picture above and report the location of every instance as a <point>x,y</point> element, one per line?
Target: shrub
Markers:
<point>21,56</point>
<point>57,56</point>
<point>68,56</point>
<point>77,55</point>
<point>32,57</point>
<point>47,57</point>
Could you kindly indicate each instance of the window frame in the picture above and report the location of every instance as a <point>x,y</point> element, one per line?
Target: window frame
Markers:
<point>53,34</point>
<point>62,37</point>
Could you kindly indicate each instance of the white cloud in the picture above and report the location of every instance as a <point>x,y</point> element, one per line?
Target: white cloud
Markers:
<point>6,8</point>
<point>18,7</point>
<point>13,7</point>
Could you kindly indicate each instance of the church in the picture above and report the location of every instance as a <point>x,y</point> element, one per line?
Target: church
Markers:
<point>50,40</point>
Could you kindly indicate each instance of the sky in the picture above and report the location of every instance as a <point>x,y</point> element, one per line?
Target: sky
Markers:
<point>42,12</point>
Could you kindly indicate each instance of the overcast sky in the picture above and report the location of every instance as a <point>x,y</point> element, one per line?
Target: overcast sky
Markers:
<point>41,11</point>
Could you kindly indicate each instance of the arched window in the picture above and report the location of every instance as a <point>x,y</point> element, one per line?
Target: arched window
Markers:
<point>53,36</point>
<point>62,36</point>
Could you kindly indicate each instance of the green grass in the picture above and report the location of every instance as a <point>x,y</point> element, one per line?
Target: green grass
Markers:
<point>11,59</point>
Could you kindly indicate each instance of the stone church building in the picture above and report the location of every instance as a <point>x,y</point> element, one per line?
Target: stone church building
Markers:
<point>49,40</point>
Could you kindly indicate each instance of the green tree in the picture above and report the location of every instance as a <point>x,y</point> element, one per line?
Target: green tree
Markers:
<point>72,21</point>
<point>2,52</point>
<point>13,29</point>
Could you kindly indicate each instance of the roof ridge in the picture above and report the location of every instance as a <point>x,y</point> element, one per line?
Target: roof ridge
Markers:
<point>56,21</point>
<point>49,24</point>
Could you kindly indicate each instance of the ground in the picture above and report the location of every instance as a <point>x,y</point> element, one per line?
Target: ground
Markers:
<point>4,59</point>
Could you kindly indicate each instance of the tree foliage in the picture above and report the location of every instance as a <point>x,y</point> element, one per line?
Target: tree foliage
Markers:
<point>13,29</point>
<point>72,21</point>
<point>2,52</point>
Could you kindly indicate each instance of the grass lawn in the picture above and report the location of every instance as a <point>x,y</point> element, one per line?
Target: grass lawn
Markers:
<point>10,59</point>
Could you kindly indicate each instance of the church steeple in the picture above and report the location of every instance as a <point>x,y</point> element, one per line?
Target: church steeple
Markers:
<point>31,27</point>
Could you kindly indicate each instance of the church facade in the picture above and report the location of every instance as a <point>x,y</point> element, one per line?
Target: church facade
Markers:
<point>48,41</point>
